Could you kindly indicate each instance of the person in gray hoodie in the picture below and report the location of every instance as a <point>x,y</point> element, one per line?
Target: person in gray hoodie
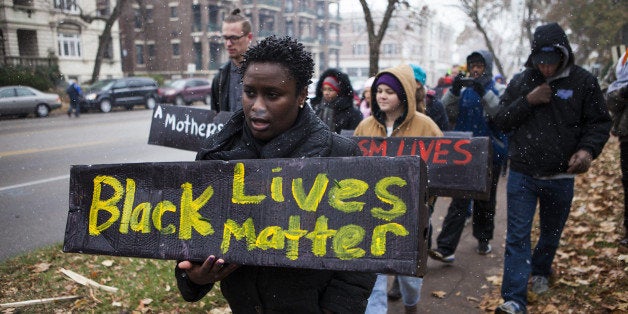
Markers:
<point>556,117</point>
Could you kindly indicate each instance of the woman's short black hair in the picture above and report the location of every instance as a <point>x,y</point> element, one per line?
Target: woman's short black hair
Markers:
<point>285,51</point>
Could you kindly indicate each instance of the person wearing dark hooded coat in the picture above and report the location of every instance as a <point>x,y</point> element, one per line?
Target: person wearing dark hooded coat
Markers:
<point>333,102</point>
<point>470,103</point>
<point>275,122</point>
<point>557,121</point>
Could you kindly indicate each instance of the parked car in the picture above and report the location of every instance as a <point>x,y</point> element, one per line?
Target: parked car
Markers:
<point>127,92</point>
<point>23,100</point>
<point>186,91</point>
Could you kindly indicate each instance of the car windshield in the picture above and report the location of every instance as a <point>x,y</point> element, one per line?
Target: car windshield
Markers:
<point>100,85</point>
<point>178,84</point>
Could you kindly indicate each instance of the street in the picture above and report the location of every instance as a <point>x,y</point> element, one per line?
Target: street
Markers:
<point>35,160</point>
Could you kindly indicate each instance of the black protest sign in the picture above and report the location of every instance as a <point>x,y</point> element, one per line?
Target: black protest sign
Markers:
<point>456,166</point>
<point>184,127</point>
<point>344,213</point>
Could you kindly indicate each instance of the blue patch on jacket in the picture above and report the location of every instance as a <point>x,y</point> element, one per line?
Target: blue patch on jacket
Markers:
<point>564,93</point>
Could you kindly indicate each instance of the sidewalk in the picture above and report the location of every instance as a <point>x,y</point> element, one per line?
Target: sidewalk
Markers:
<point>464,281</point>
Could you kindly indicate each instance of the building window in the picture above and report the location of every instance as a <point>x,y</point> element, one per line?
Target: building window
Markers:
<point>139,54</point>
<point>390,49</point>
<point>149,15</point>
<point>359,26</point>
<point>198,53</point>
<point>360,49</point>
<point>25,3</point>
<point>289,6</point>
<point>196,18</point>
<point>174,12</point>
<point>103,7</point>
<point>27,42</point>
<point>176,50</point>
<point>66,5</point>
<point>69,45</point>
<point>137,19</point>
<point>151,51</point>
<point>320,9</point>
<point>108,53</point>
<point>290,28</point>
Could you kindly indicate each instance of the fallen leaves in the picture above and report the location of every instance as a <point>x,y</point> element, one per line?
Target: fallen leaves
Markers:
<point>41,267</point>
<point>439,294</point>
<point>495,280</point>
<point>107,263</point>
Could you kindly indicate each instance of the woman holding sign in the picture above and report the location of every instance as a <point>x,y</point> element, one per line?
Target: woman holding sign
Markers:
<point>394,114</point>
<point>276,123</point>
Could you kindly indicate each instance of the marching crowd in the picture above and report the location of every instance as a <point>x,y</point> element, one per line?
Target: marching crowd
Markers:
<point>547,124</point>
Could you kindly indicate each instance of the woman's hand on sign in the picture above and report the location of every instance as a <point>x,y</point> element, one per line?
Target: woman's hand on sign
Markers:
<point>212,270</point>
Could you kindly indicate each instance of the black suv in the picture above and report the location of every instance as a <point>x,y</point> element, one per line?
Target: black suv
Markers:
<point>127,92</point>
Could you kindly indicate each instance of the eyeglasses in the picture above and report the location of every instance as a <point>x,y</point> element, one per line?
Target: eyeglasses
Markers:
<point>232,38</point>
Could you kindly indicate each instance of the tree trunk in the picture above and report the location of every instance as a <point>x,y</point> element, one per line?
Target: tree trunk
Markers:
<point>490,48</point>
<point>105,38</point>
<point>375,39</point>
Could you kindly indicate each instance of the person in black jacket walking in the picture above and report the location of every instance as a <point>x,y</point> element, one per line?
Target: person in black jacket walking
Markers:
<point>226,85</point>
<point>558,123</point>
<point>333,102</point>
<point>276,123</point>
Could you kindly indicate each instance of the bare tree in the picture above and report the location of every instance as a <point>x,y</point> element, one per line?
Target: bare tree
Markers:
<point>592,29</point>
<point>104,40</point>
<point>375,38</point>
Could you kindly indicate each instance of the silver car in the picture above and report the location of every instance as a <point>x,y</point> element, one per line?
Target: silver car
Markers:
<point>24,100</point>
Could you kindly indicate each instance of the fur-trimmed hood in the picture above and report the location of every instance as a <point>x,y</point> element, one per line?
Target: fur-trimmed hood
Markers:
<point>346,90</point>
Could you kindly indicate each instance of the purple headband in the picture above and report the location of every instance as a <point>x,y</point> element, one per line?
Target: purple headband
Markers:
<point>392,82</point>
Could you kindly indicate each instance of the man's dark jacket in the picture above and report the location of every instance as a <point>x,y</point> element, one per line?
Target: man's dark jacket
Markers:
<point>259,289</point>
<point>544,137</point>
<point>220,88</point>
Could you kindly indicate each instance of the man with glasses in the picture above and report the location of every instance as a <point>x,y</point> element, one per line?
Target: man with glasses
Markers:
<point>227,85</point>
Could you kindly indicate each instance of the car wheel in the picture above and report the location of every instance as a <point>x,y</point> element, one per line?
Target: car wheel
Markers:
<point>208,100</point>
<point>151,102</point>
<point>105,105</point>
<point>179,101</point>
<point>42,110</point>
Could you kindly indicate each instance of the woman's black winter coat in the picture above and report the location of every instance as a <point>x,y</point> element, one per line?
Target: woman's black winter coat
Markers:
<point>259,289</point>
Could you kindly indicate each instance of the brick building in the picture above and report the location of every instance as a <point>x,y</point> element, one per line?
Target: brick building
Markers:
<point>183,38</point>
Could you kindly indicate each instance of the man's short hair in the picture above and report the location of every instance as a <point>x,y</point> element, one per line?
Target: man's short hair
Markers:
<point>235,17</point>
<point>285,51</point>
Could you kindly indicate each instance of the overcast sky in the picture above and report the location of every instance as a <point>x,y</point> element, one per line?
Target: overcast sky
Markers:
<point>446,10</point>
